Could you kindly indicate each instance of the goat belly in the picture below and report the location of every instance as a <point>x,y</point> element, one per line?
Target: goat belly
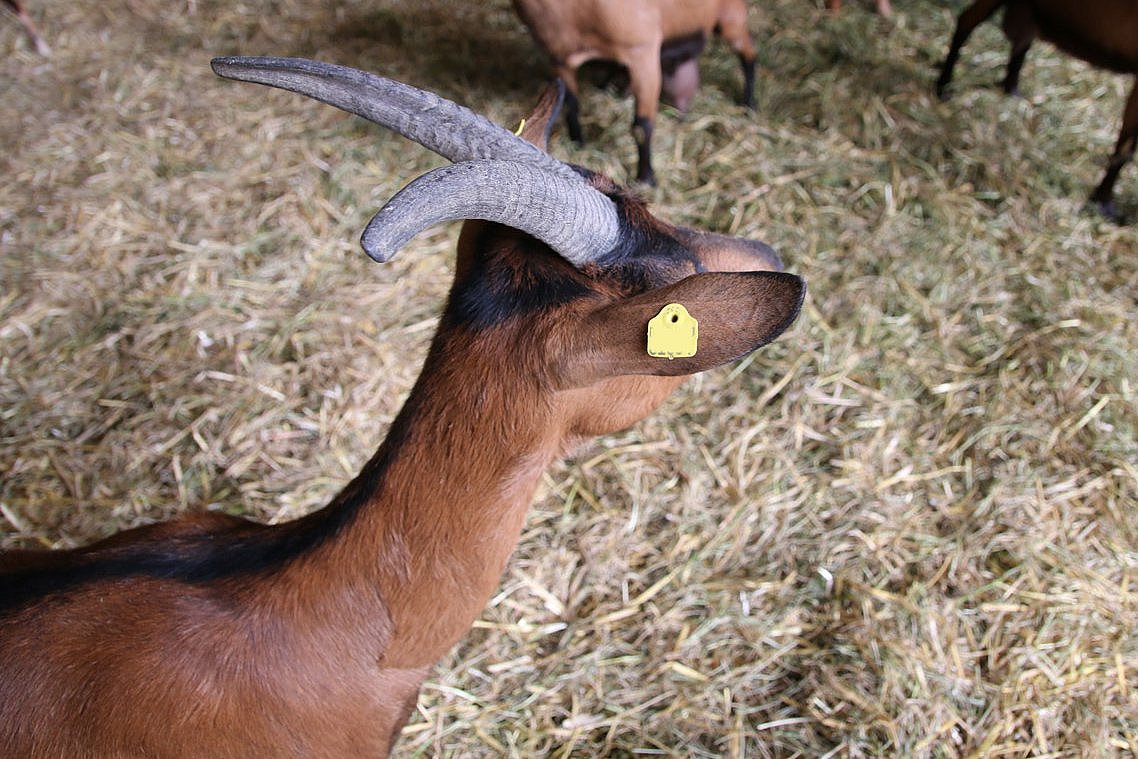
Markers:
<point>679,49</point>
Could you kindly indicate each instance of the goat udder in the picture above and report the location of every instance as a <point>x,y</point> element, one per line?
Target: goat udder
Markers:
<point>680,84</point>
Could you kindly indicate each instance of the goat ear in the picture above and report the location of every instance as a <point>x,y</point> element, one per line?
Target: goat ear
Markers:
<point>537,126</point>
<point>737,313</point>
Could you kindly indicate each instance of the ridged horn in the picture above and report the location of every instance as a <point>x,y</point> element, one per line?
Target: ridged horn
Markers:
<point>497,176</point>
<point>572,218</point>
<point>440,125</point>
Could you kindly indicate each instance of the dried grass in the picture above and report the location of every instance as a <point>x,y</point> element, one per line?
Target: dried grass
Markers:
<point>908,528</point>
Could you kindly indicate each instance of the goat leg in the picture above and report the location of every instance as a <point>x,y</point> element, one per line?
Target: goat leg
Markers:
<point>646,80</point>
<point>733,29</point>
<point>974,15</point>
<point>748,65</point>
<point>1103,196</point>
<point>1020,29</point>
<point>568,75</point>
<point>642,133</point>
<point>573,118</point>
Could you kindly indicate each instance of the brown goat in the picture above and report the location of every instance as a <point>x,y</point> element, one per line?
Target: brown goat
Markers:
<point>1103,33</point>
<point>29,26</point>
<point>212,636</point>
<point>658,41</point>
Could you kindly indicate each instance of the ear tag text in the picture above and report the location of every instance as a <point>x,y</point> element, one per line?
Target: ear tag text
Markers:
<point>673,333</point>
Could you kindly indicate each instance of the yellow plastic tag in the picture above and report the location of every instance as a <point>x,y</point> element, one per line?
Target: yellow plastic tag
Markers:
<point>673,333</point>
<point>521,126</point>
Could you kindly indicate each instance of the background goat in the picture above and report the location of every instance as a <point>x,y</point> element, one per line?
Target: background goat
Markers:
<point>215,636</point>
<point>1102,32</point>
<point>659,41</point>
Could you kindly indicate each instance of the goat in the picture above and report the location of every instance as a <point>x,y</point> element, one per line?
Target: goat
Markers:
<point>884,9</point>
<point>215,636</point>
<point>1103,33</point>
<point>21,12</point>
<point>658,41</point>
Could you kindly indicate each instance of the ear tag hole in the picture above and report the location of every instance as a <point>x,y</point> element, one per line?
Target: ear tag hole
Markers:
<point>673,333</point>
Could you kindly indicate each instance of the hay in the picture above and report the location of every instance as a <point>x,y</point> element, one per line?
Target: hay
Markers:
<point>907,528</point>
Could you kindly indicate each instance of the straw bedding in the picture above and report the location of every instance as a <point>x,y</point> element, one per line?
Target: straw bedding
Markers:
<point>907,528</point>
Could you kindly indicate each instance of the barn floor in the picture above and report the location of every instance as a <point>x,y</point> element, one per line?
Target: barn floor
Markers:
<point>907,528</point>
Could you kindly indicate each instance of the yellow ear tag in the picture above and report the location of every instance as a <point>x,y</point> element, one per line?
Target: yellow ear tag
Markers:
<point>521,126</point>
<point>673,333</point>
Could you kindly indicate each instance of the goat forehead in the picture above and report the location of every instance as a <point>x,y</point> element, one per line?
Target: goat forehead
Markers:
<point>508,275</point>
<point>643,273</point>
<point>650,256</point>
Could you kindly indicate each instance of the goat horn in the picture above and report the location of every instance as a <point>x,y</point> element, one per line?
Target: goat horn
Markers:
<point>575,220</point>
<point>440,125</point>
<point>553,203</point>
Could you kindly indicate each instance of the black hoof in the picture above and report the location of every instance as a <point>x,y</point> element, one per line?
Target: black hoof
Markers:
<point>646,177</point>
<point>1107,209</point>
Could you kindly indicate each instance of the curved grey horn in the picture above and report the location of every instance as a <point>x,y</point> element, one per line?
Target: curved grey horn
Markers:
<point>577,221</point>
<point>444,127</point>
<point>504,178</point>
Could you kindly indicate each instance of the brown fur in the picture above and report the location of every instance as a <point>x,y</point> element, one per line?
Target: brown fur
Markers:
<point>213,636</point>
<point>1102,32</point>
<point>633,33</point>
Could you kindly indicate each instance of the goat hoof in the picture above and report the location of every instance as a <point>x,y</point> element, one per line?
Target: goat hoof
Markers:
<point>1107,209</point>
<point>646,178</point>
